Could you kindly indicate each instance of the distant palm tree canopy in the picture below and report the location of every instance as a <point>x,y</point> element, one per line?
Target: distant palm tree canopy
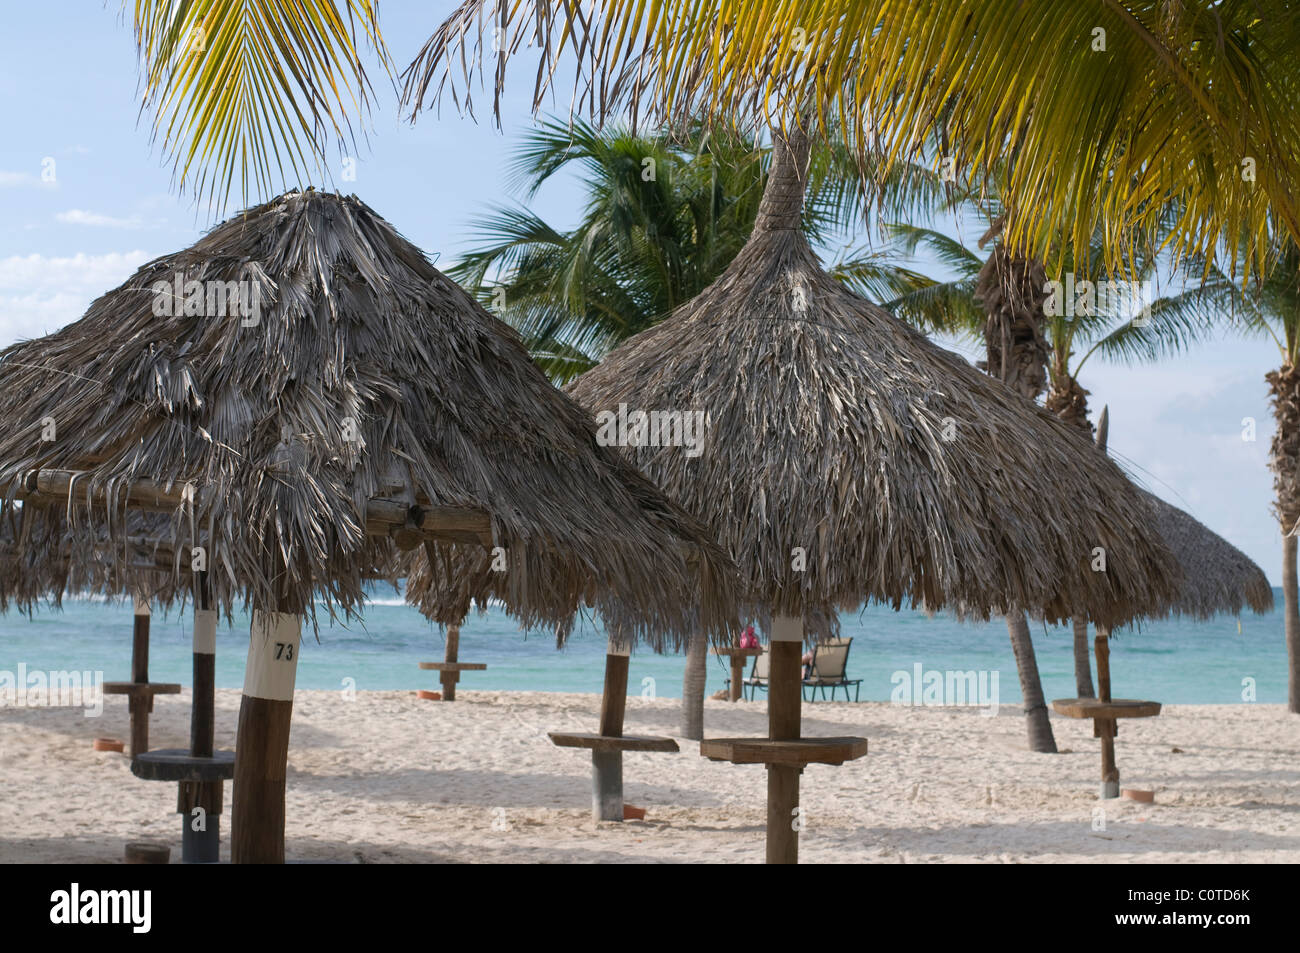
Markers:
<point>664,215</point>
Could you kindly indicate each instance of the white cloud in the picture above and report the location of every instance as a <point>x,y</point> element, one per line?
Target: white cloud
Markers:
<point>23,180</point>
<point>78,216</point>
<point>40,294</point>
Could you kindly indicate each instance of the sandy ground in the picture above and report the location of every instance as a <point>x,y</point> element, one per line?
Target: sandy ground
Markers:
<point>386,777</point>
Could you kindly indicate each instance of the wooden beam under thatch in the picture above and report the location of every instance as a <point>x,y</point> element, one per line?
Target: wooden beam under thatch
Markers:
<point>456,524</point>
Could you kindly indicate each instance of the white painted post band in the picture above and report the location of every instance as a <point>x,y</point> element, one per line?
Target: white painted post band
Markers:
<point>787,629</point>
<point>272,665</point>
<point>615,649</point>
<point>141,605</point>
<point>205,631</point>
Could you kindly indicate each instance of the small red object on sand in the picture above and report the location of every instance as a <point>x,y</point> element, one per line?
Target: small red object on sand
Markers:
<point>631,813</point>
<point>1143,797</point>
<point>428,696</point>
<point>107,744</point>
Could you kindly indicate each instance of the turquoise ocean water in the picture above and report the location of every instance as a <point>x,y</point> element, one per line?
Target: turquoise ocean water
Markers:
<point>1172,661</point>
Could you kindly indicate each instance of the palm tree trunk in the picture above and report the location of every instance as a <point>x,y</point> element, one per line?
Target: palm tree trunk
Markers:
<point>1285,464</point>
<point>1291,617</point>
<point>1012,293</point>
<point>1082,661</point>
<point>693,688</point>
<point>1069,401</point>
<point>1037,722</point>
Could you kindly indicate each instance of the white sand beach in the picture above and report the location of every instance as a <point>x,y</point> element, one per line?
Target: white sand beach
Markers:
<point>386,777</point>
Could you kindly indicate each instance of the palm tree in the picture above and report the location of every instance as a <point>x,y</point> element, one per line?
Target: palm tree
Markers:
<point>664,214</point>
<point>1188,100</point>
<point>662,218</point>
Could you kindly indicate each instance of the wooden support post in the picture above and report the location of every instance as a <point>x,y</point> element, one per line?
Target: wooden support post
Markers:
<point>607,785</point>
<point>262,742</point>
<point>737,677</point>
<point>449,678</point>
<point>1106,728</point>
<point>200,832</point>
<point>199,802</point>
<point>1102,645</point>
<point>607,766</point>
<point>140,706</point>
<point>784,709</point>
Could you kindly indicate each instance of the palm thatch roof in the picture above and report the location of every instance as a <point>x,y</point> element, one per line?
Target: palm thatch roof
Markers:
<point>1217,576</point>
<point>353,403</point>
<point>36,563</point>
<point>841,440</point>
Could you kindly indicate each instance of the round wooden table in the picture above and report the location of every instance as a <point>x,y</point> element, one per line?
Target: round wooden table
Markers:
<point>1105,713</point>
<point>738,656</point>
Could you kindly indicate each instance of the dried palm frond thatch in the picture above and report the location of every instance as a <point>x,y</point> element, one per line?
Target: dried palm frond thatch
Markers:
<point>352,400</point>
<point>1217,576</point>
<point>848,458</point>
<point>37,565</point>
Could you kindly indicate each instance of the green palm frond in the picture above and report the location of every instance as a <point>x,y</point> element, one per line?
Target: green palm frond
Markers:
<point>1165,330</point>
<point>876,275</point>
<point>651,235</point>
<point>1115,111</point>
<point>948,250</point>
<point>943,307</point>
<point>1265,306</point>
<point>253,89</point>
<point>512,233</point>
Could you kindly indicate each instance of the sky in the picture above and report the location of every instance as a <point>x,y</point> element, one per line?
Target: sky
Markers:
<point>69,93</point>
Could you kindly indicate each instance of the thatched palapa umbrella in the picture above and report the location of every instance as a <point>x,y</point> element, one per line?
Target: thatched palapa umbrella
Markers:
<point>301,394</point>
<point>848,458</point>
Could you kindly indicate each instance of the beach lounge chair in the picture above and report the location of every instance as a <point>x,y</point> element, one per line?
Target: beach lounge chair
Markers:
<point>828,669</point>
<point>758,674</point>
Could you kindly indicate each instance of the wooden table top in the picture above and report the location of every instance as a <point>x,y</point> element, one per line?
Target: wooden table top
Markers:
<point>141,688</point>
<point>1115,708</point>
<point>453,666</point>
<point>610,743</point>
<point>737,650</point>
<point>177,764</point>
<point>796,752</point>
